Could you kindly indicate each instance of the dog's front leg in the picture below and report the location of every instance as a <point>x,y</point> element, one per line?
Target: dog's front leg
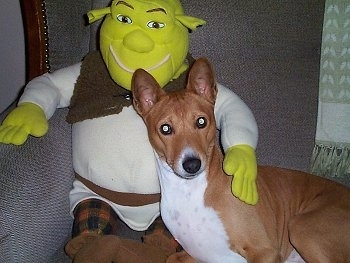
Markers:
<point>181,257</point>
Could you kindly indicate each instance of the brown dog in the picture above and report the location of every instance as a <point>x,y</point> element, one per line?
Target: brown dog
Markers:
<point>295,211</point>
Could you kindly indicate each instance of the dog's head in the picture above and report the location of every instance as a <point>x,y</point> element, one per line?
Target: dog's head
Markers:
<point>181,125</point>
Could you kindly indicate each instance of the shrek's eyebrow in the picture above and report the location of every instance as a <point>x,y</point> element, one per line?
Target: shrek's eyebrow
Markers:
<point>124,3</point>
<point>159,9</point>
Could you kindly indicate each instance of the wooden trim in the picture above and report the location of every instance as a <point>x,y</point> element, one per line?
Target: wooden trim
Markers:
<point>35,30</point>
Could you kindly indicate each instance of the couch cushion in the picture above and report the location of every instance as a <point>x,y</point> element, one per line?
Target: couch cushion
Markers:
<point>35,180</point>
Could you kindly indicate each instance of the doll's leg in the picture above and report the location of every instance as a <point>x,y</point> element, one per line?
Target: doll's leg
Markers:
<point>94,238</point>
<point>94,216</point>
<point>158,235</point>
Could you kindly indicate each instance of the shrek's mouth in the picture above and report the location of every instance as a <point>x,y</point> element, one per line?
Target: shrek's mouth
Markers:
<point>118,61</point>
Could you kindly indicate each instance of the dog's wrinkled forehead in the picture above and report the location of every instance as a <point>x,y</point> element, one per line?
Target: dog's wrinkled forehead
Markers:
<point>201,86</point>
<point>182,105</point>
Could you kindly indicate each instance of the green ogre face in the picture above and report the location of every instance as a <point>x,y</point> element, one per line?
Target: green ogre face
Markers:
<point>144,34</point>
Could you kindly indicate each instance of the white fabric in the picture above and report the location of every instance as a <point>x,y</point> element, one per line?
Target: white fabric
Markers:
<point>113,152</point>
<point>334,96</point>
<point>234,119</point>
<point>52,90</point>
<point>333,122</point>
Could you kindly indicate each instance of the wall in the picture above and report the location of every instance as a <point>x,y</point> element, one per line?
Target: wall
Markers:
<point>12,52</point>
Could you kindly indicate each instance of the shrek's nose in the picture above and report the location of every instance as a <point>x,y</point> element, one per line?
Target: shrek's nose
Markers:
<point>138,41</point>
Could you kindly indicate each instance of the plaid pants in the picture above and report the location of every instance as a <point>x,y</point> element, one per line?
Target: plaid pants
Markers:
<point>94,216</point>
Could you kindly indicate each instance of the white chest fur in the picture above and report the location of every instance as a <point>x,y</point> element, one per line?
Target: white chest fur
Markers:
<point>196,227</point>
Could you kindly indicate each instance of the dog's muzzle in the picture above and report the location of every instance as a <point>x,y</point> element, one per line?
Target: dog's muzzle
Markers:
<point>191,165</point>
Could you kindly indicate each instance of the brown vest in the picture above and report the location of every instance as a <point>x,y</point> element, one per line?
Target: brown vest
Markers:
<point>97,95</point>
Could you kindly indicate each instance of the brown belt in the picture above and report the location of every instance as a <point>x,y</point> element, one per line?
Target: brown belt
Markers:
<point>120,198</point>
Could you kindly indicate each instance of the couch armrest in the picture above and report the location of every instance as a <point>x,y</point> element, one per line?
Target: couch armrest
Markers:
<point>35,180</point>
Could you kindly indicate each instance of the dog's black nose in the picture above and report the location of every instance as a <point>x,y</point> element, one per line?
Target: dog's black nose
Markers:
<point>191,165</point>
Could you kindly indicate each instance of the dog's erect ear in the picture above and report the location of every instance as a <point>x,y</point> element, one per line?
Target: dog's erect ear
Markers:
<point>145,90</point>
<point>202,80</point>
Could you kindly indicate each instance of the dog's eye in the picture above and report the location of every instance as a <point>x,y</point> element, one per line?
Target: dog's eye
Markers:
<point>166,129</point>
<point>201,122</point>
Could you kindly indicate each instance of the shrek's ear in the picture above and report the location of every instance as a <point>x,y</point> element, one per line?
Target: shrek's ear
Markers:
<point>190,22</point>
<point>97,14</point>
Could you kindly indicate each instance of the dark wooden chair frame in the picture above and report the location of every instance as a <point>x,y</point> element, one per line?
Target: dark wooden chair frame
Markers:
<point>36,38</point>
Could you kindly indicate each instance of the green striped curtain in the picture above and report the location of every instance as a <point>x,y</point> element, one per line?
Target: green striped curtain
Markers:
<point>331,156</point>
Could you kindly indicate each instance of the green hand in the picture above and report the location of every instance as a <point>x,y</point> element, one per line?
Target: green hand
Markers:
<point>240,162</point>
<point>26,119</point>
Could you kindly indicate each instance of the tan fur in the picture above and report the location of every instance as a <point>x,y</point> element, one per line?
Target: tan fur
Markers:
<point>295,209</point>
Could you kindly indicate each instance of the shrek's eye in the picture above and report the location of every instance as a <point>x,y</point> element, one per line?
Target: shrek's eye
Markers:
<point>166,129</point>
<point>201,122</point>
<point>155,25</point>
<point>124,19</point>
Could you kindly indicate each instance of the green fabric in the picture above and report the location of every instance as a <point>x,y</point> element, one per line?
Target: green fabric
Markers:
<point>331,156</point>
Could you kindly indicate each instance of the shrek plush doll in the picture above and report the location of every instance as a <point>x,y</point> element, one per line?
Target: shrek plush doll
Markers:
<point>113,160</point>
